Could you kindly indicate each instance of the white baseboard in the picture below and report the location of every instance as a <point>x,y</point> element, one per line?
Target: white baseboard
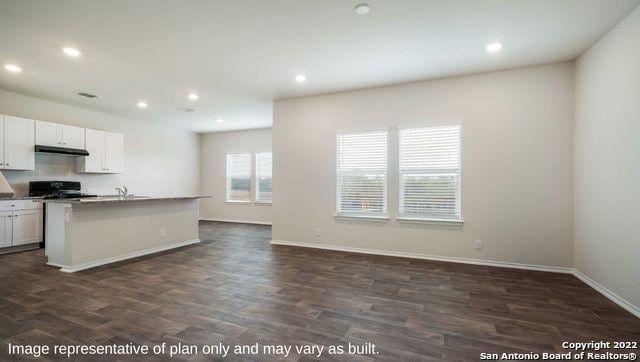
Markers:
<point>236,221</point>
<point>501,264</point>
<point>553,269</point>
<point>93,264</point>
<point>607,293</point>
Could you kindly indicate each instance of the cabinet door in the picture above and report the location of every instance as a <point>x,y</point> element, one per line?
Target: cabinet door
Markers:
<point>73,137</point>
<point>48,134</point>
<point>19,140</point>
<point>27,227</point>
<point>95,146</point>
<point>5,229</point>
<point>2,141</point>
<point>114,152</point>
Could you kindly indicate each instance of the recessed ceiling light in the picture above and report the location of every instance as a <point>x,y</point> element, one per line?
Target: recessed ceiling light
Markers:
<point>220,120</point>
<point>72,52</point>
<point>142,104</point>
<point>494,47</point>
<point>13,68</point>
<point>300,78</point>
<point>362,9</point>
<point>193,96</point>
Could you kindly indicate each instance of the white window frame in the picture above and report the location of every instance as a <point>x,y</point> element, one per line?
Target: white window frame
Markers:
<point>257,180</point>
<point>410,218</point>
<point>384,216</point>
<point>228,184</point>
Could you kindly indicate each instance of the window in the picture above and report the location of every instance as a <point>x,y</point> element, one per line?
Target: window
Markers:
<point>239,177</point>
<point>263,177</point>
<point>430,173</point>
<point>361,187</point>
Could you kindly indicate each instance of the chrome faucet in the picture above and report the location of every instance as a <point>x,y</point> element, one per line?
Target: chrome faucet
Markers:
<point>122,192</point>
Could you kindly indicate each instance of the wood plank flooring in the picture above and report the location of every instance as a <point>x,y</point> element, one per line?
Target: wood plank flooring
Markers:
<point>236,288</point>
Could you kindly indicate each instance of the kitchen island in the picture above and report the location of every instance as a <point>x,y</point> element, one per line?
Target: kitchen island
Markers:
<point>88,232</point>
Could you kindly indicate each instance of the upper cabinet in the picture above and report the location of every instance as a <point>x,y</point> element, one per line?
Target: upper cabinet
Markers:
<point>106,153</point>
<point>18,136</point>
<point>16,143</point>
<point>59,135</point>
<point>73,137</point>
<point>113,152</point>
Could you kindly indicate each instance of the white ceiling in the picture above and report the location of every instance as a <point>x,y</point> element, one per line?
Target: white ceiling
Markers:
<point>240,55</point>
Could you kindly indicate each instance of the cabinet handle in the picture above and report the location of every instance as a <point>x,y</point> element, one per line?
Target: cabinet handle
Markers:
<point>1,163</point>
<point>13,205</point>
<point>15,215</point>
<point>9,216</point>
<point>7,163</point>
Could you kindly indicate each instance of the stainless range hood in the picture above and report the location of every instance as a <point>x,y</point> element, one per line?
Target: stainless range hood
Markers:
<point>61,150</point>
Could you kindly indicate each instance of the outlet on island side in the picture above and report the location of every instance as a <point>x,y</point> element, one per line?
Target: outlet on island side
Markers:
<point>163,233</point>
<point>477,244</point>
<point>317,232</point>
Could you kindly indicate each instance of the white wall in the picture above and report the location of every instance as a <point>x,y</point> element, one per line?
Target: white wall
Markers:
<point>607,161</point>
<point>517,165</point>
<point>157,159</point>
<point>213,150</point>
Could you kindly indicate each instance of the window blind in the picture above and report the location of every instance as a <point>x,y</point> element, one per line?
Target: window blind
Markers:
<point>239,177</point>
<point>430,172</point>
<point>263,177</point>
<point>361,187</point>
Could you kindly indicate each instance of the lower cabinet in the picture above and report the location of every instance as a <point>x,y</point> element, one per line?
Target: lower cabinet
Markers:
<point>27,227</point>
<point>6,229</point>
<point>20,223</point>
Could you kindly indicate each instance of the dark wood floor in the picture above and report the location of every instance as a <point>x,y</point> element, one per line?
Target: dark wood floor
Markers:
<point>236,288</point>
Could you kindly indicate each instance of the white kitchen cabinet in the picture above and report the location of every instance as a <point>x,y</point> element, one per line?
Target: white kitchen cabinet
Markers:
<point>19,144</point>
<point>95,142</point>
<point>73,137</point>
<point>20,222</point>
<point>16,143</point>
<point>2,117</point>
<point>59,135</point>
<point>6,226</point>
<point>48,134</point>
<point>113,156</point>
<point>106,153</point>
<point>27,227</point>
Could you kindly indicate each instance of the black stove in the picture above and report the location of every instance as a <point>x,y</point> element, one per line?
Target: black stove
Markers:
<point>56,190</point>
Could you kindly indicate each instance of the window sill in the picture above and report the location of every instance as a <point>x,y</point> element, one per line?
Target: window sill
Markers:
<point>241,202</point>
<point>263,203</point>
<point>361,218</point>
<point>415,220</point>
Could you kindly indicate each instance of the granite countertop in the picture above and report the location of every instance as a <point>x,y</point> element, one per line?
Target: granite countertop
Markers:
<point>116,199</point>
<point>21,198</point>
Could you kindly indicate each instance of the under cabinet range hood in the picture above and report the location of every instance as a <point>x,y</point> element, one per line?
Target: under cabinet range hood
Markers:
<point>61,150</point>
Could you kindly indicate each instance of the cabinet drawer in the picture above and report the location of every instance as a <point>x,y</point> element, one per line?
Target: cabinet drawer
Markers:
<point>12,205</point>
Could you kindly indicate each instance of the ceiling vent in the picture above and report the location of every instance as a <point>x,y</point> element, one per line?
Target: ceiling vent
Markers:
<point>186,109</point>
<point>88,95</point>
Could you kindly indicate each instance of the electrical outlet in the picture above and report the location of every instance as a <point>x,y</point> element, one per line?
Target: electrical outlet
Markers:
<point>317,232</point>
<point>163,233</point>
<point>477,244</point>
